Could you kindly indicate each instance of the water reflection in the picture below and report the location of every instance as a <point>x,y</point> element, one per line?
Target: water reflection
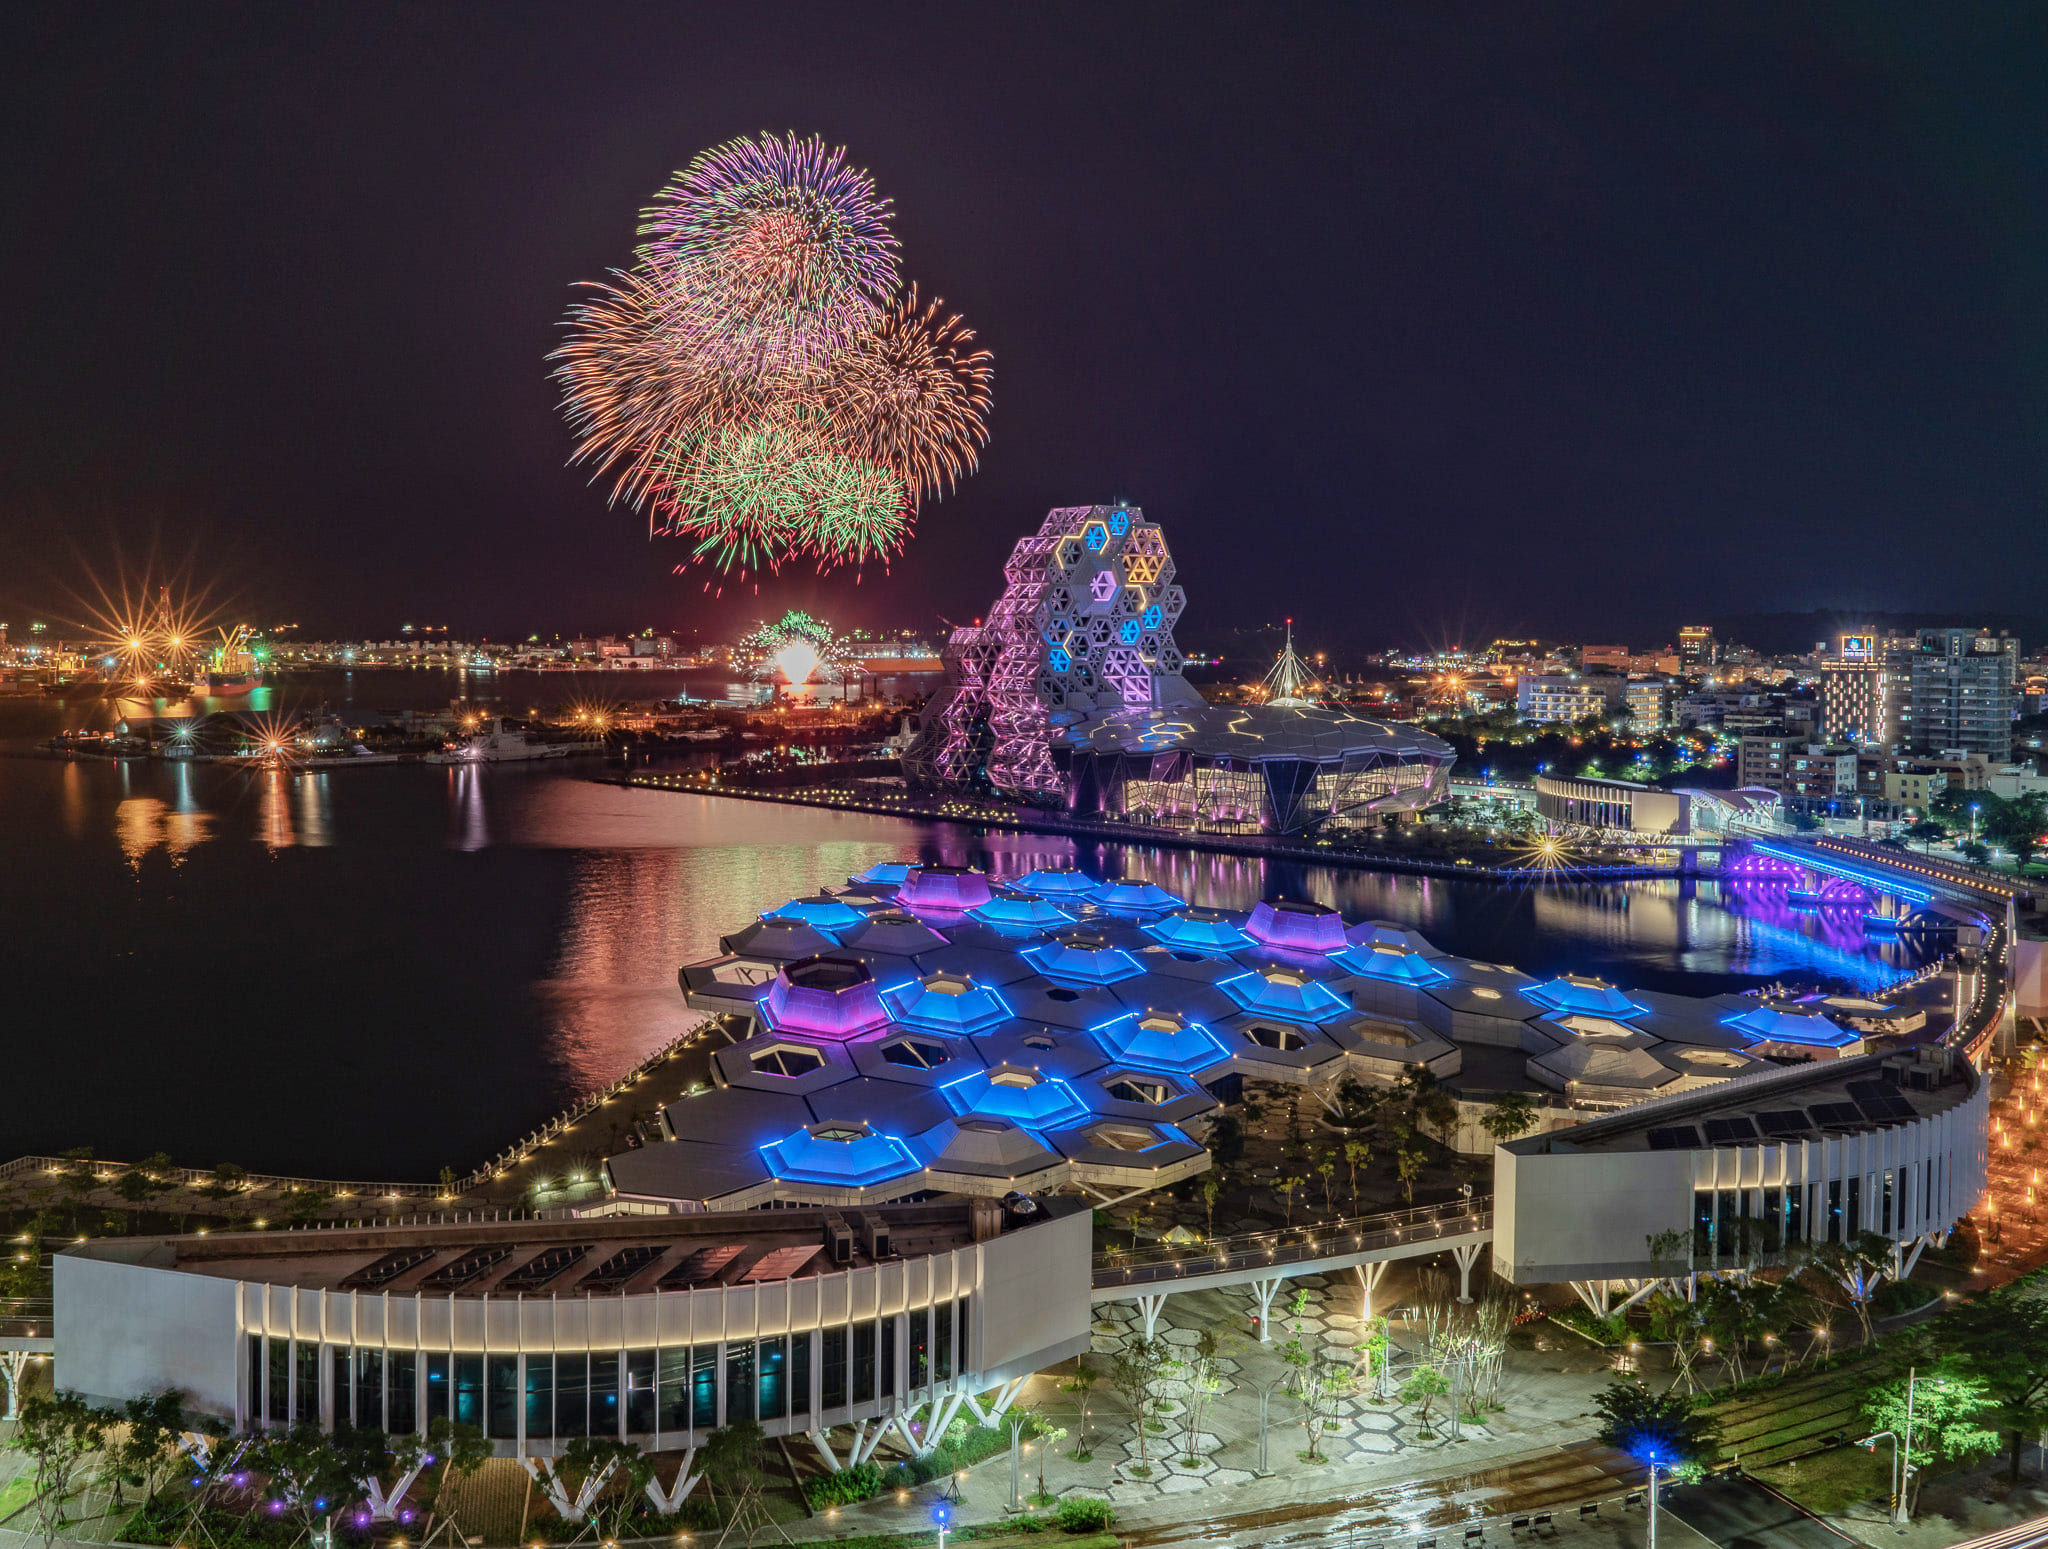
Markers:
<point>274,809</point>
<point>146,823</point>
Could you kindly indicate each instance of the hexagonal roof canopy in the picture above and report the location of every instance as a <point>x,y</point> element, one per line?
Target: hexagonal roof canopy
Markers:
<point>1076,1007</point>
<point>1285,992</point>
<point>1296,925</point>
<point>944,889</point>
<point>1582,992</point>
<point>1020,1094</point>
<point>1772,1022</point>
<point>980,1147</point>
<point>1035,1046</point>
<point>894,931</point>
<point>1137,896</point>
<point>1389,963</point>
<point>944,1002</point>
<point>1200,930</point>
<point>780,937</point>
<point>1081,956</point>
<point>773,1062</point>
<point>1273,1048</point>
<point>1386,933</point>
<point>891,1107</point>
<point>1058,882</point>
<point>823,911</point>
<point>915,1058</point>
<point>1160,1041</point>
<point>826,996</point>
<point>1020,912</point>
<point>1598,1064</point>
<point>840,1155</point>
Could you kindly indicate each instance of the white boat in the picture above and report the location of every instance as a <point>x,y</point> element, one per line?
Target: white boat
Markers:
<point>499,744</point>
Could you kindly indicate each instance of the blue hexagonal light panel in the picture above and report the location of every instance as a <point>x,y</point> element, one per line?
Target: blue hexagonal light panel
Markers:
<point>1081,959</point>
<point>1142,897</point>
<point>1284,992</point>
<point>1797,1025</point>
<point>1020,911</point>
<point>1573,992</point>
<point>1158,1040</point>
<point>1021,1096</point>
<point>1199,930</point>
<point>820,913</point>
<point>1394,965</point>
<point>888,873</point>
<point>837,1154</point>
<point>1062,882</point>
<point>946,1003</point>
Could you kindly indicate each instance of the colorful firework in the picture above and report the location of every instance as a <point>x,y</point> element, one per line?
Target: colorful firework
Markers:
<point>797,649</point>
<point>774,252</point>
<point>752,385</point>
<point>909,396</point>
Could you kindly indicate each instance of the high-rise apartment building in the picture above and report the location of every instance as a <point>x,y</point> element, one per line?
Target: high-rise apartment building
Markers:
<point>1962,690</point>
<point>1567,696</point>
<point>1864,689</point>
<point>1696,648</point>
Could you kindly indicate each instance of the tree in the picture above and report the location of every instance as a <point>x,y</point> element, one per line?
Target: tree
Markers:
<point>303,1203</point>
<point>1508,1115</point>
<point>146,1180</point>
<point>1408,1167</point>
<point>1357,1154</point>
<point>1948,1414</point>
<point>154,1443</point>
<point>1677,1322</point>
<point>1859,1267</point>
<point>311,1474</point>
<point>603,1477</point>
<point>1326,1169</point>
<point>1211,1187</point>
<point>1205,1381</point>
<point>1425,1385</point>
<point>79,1178</point>
<point>1667,1427</point>
<point>1287,1186</point>
<point>2000,1340</point>
<point>59,1433</point>
<point>1135,1372</point>
<point>732,1464</point>
<point>228,1180</point>
<point>1319,1380</point>
<point>459,1450</point>
<point>1078,1386</point>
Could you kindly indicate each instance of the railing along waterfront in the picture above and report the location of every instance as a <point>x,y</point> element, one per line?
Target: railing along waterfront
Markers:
<point>1292,1245</point>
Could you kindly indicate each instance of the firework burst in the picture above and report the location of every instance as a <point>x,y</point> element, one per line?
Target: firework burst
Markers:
<point>911,397</point>
<point>772,253</point>
<point>758,384</point>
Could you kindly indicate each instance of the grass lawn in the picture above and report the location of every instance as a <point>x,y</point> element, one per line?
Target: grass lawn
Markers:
<point>1830,1482</point>
<point>18,1492</point>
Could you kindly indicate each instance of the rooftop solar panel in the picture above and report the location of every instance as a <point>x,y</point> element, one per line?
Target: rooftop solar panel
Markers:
<point>622,1266</point>
<point>1784,1123</point>
<point>1676,1137</point>
<point>1724,1132</point>
<point>1836,1115</point>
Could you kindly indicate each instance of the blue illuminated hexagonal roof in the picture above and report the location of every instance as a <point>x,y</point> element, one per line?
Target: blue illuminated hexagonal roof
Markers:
<point>1019,1095</point>
<point>838,1153</point>
<point>946,1003</point>
<point>1285,992</point>
<point>1199,930</point>
<point>1081,957</point>
<point>1062,882</point>
<point>1020,912</point>
<point>894,873</point>
<point>1574,992</point>
<point>822,912</point>
<point>1159,1040</point>
<point>1143,897</point>
<point>1396,965</point>
<point>1793,1024</point>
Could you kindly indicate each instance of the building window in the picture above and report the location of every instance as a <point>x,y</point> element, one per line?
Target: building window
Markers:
<point>966,1349</point>
<point>942,1342</point>
<point>402,1392</point>
<point>341,1384</point>
<point>572,1396</point>
<point>280,1379</point>
<point>1855,1226</point>
<point>920,1347</point>
<point>800,1374</point>
<point>502,1397</point>
<point>540,1398</point>
<point>640,1419</point>
<point>253,1354</point>
<point>704,1387</point>
<point>1795,1226</point>
<point>604,1393</point>
<point>832,1376</point>
<point>672,1390</point>
<point>1703,1225</point>
<point>863,1363</point>
<point>889,1357</point>
<point>739,1381</point>
<point>369,1390</point>
<point>469,1390</point>
<point>773,1362</point>
<point>1834,1210</point>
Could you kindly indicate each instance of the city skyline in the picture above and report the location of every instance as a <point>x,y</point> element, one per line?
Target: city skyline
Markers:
<point>1474,304</point>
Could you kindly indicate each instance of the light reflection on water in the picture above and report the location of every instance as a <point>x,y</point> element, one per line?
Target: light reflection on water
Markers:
<point>375,972</point>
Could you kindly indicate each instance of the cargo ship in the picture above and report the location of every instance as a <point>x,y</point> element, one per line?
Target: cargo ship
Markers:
<point>229,672</point>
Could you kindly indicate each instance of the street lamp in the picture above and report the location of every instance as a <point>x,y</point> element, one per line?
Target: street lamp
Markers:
<point>1899,1515</point>
<point>1655,1459</point>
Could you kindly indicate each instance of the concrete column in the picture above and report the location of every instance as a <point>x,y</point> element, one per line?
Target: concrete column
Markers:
<point>1467,1255</point>
<point>1264,1291</point>
<point>1149,1308</point>
<point>1369,1278</point>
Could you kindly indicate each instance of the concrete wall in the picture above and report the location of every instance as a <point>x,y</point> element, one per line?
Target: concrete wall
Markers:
<point>123,1330</point>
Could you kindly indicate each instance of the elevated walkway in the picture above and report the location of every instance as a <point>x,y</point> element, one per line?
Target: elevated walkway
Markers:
<point>1265,1261</point>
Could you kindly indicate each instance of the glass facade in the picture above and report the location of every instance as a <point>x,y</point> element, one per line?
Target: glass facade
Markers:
<point>557,1397</point>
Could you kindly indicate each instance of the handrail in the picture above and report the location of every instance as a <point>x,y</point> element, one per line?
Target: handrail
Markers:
<point>1252,1250</point>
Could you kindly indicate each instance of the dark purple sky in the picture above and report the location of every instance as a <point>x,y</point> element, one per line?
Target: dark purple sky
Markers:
<point>1413,322</point>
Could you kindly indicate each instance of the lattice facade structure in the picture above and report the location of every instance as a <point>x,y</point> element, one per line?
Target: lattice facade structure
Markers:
<point>1084,625</point>
<point>1072,695</point>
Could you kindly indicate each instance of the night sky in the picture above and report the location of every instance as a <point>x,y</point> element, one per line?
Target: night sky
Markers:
<point>1423,322</point>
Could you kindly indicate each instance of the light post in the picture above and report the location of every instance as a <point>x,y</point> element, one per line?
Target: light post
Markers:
<point>1899,1512</point>
<point>1869,1444</point>
<point>1265,1413</point>
<point>1654,1460</point>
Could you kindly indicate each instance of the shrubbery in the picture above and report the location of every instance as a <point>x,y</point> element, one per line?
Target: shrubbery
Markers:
<point>863,1481</point>
<point>1086,1514</point>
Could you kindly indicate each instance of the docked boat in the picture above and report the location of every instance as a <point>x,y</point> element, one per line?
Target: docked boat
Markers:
<point>498,743</point>
<point>229,671</point>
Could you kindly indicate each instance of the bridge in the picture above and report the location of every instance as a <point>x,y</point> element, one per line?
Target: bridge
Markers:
<point>1265,1261</point>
